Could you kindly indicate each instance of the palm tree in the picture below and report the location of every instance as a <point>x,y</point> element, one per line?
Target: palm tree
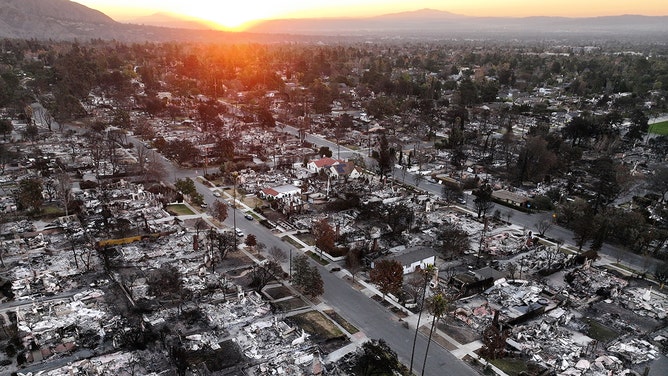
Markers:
<point>438,304</point>
<point>429,271</point>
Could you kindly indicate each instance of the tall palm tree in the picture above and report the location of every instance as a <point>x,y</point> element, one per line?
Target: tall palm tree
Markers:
<point>429,271</point>
<point>438,305</point>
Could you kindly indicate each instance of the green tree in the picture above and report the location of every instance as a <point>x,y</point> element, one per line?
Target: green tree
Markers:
<point>324,151</point>
<point>300,270</point>
<point>30,195</point>
<point>453,241</point>
<point>388,275</point>
<point>483,200</point>
<point>6,127</point>
<point>185,186</point>
<point>384,156</point>
<point>31,132</point>
<point>315,286</point>
<point>659,182</point>
<point>376,358</point>
<point>661,274</point>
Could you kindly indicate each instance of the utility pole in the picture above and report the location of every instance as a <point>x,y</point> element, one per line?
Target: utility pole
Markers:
<point>234,206</point>
<point>482,239</point>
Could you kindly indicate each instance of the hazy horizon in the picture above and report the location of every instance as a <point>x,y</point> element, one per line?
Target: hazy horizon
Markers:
<point>243,14</point>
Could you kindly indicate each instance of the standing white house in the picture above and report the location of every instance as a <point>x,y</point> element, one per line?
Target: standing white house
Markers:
<point>280,192</point>
<point>412,258</point>
<point>317,165</point>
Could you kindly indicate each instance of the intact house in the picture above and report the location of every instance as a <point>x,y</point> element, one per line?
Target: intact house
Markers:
<point>344,170</point>
<point>285,198</point>
<point>413,258</point>
<point>281,192</point>
<point>510,198</point>
<point>315,166</point>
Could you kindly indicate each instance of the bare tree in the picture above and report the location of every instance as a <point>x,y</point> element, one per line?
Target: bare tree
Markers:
<point>511,269</point>
<point>154,169</point>
<point>277,255</point>
<point>354,261</point>
<point>543,226</point>
<point>263,274</point>
<point>64,190</point>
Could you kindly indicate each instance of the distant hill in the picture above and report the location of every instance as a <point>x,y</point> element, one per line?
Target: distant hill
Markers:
<point>58,19</point>
<point>435,23</point>
<point>425,13</point>
<point>171,21</point>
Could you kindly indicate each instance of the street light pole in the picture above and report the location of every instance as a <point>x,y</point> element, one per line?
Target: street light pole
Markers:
<point>234,207</point>
<point>290,263</point>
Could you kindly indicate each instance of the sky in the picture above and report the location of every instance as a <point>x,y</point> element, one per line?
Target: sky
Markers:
<point>235,13</point>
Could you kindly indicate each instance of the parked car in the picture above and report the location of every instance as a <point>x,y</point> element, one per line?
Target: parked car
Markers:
<point>248,217</point>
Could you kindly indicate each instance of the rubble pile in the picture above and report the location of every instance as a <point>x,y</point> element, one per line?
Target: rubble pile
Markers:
<point>62,325</point>
<point>505,242</point>
<point>588,282</point>
<point>515,298</point>
<point>634,350</point>
<point>645,302</point>
<point>544,257</point>
<point>573,354</point>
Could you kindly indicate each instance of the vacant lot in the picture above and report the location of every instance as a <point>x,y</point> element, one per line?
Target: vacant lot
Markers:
<point>317,325</point>
<point>179,209</point>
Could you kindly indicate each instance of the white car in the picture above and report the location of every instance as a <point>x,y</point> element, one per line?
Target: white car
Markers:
<point>238,232</point>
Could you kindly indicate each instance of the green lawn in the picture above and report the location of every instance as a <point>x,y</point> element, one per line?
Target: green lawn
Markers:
<point>512,367</point>
<point>179,209</point>
<point>660,128</point>
<point>288,239</point>
<point>317,258</point>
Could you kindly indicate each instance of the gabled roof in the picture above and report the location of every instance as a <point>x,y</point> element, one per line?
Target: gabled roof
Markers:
<point>276,191</point>
<point>411,255</point>
<point>270,192</point>
<point>344,168</point>
<point>324,162</point>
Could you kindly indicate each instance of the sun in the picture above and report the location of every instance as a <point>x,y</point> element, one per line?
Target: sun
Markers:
<point>233,15</point>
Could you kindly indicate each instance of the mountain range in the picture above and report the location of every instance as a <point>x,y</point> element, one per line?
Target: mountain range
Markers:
<point>171,21</point>
<point>67,20</point>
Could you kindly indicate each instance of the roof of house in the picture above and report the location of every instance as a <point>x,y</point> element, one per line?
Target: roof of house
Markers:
<point>275,191</point>
<point>270,192</point>
<point>324,162</point>
<point>345,168</point>
<point>509,196</point>
<point>411,255</point>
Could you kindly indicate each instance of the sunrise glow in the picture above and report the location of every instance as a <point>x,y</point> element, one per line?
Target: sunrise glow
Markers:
<point>237,14</point>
